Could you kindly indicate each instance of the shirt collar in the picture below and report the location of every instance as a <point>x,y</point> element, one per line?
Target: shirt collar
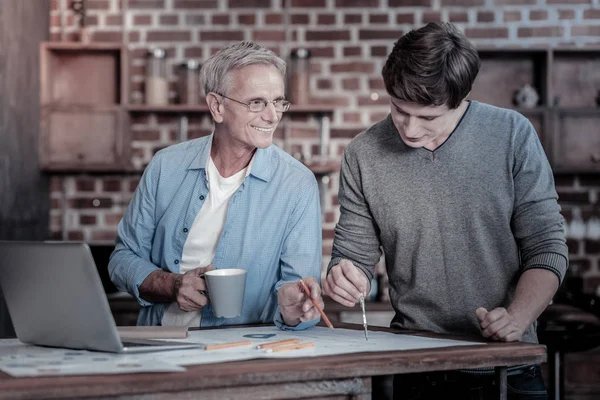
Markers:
<point>261,167</point>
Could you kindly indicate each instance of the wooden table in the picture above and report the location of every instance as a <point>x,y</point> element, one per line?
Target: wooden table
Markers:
<point>346,376</point>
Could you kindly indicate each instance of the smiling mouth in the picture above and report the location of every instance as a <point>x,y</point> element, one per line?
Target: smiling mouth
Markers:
<point>265,130</point>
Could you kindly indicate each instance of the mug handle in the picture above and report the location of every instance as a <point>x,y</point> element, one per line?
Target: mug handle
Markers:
<point>204,292</point>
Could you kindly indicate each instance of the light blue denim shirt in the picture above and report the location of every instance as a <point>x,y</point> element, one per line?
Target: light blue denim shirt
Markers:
<point>272,229</point>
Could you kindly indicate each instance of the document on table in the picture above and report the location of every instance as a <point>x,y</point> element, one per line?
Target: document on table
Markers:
<point>18,359</point>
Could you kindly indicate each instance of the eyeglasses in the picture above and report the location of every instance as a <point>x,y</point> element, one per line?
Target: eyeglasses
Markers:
<point>258,105</point>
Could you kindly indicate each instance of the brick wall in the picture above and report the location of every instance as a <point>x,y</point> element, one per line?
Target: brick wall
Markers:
<point>349,40</point>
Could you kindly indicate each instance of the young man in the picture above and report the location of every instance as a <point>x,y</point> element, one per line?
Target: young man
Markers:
<point>460,196</point>
<point>229,200</point>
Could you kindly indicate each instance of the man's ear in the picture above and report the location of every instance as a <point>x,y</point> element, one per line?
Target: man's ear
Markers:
<point>215,107</point>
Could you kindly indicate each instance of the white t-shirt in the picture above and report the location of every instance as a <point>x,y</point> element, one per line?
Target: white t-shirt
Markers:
<point>201,244</point>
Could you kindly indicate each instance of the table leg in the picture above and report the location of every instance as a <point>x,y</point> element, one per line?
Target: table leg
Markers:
<point>501,374</point>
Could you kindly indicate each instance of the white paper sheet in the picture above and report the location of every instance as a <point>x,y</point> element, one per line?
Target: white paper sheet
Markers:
<point>18,359</point>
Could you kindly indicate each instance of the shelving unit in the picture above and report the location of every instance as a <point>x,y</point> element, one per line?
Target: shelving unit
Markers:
<point>83,87</point>
<point>567,116</point>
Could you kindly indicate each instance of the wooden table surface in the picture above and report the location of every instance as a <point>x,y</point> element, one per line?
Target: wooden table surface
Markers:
<point>347,375</point>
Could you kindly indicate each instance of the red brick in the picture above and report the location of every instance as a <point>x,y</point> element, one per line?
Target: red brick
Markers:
<point>324,84</point>
<point>351,84</point>
<point>568,14</point>
<point>589,14</point>
<point>268,36</point>
<point>299,19</point>
<point>111,185</point>
<point>458,16</point>
<point>376,84</point>
<point>352,19</point>
<point>112,219</point>
<point>87,220</point>
<point>55,21</point>
<point>249,3</point>
<point>221,35</point>
<point>326,19</point>
<point>379,51</point>
<point>373,34</point>
<point>344,132</point>
<point>169,19</point>
<point>461,3</point>
<point>133,37</point>
<point>55,37</point>
<point>112,20</point>
<point>273,19</point>
<point>538,15</point>
<point>143,19</point>
<point>564,180</point>
<point>193,52</point>
<point>378,18</point>
<point>512,16</point>
<point>568,2</point>
<point>308,3</point>
<point>246,19</point>
<point>168,36</point>
<point>351,117</point>
<point>360,67</point>
<point>327,35</point>
<point>220,19</point>
<point>133,184</point>
<point>405,18</point>
<point>383,100</point>
<point>586,30</point>
<point>322,52</point>
<point>357,3</point>
<point>85,185</point>
<point>107,36</point>
<point>91,20</point>
<point>573,197</point>
<point>589,180</point>
<point>486,33</point>
<point>54,5</point>
<point>592,246</point>
<point>485,16</point>
<point>304,133</point>
<point>143,4</point>
<point>75,235</point>
<point>431,16</point>
<point>97,4</point>
<point>350,51</point>
<point>194,4</point>
<point>194,19</point>
<point>104,235</point>
<point>409,3</point>
<point>81,203</point>
<point>55,184</point>
<point>540,31</point>
<point>375,117</point>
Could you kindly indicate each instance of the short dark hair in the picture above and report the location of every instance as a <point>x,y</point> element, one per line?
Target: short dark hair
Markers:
<point>432,66</point>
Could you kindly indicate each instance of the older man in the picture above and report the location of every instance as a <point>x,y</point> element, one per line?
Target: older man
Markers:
<point>229,200</point>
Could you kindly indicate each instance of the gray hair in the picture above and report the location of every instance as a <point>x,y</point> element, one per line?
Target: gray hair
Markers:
<point>215,75</point>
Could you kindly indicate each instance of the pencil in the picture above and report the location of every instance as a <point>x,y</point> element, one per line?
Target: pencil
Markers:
<point>307,290</point>
<point>290,347</point>
<point>227,345</point>
<point>277,344</point>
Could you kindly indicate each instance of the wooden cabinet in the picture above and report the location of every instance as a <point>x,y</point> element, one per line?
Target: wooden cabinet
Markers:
<point>83,122</point>
<point>567,114</point>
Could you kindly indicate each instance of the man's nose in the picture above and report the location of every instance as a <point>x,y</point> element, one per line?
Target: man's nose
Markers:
<point>270,114</point>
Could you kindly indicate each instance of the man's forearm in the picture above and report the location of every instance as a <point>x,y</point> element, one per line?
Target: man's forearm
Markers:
<point>160,287</point>
<point>535,290</point>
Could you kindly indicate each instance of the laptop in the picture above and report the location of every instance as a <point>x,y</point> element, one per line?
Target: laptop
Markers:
<point>55,298</point>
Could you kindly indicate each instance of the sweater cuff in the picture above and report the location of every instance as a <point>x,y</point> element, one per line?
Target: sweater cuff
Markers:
<point>335,261</point>
<point>554,262</point>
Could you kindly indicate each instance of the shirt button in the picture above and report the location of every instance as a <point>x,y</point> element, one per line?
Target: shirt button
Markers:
<point>176,261</point>
<point>201,197</point>
<point>185,230</point>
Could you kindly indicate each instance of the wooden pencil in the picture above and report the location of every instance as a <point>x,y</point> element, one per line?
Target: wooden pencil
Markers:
<point>277,344</point>
<point>290,347</point>
<point>227,345</point>
<point>307,291</point>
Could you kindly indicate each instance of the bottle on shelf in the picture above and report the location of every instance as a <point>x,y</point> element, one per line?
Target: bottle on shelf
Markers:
<point>299,87</point>
<point>157,85</point>
<point>188,80</point>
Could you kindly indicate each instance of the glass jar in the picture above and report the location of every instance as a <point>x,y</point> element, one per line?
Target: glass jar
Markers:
<point>188,82</point>
<point>157,85</point>
<point>299,88</point>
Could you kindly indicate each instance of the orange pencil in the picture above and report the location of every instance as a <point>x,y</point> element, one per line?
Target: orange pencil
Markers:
<point>227,345</point>
<point>307,291</point>
<point>290,347</point>
<point>277,344</point>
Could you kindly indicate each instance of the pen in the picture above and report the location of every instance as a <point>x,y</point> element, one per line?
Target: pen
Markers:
<point>364,315</point>
<point>290,347</point>
<point>277,344</point>
<point>226,345</point>
<point>307,290</point>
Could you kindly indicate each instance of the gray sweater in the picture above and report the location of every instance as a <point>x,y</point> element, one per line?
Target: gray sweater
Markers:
<point>458,225</point>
